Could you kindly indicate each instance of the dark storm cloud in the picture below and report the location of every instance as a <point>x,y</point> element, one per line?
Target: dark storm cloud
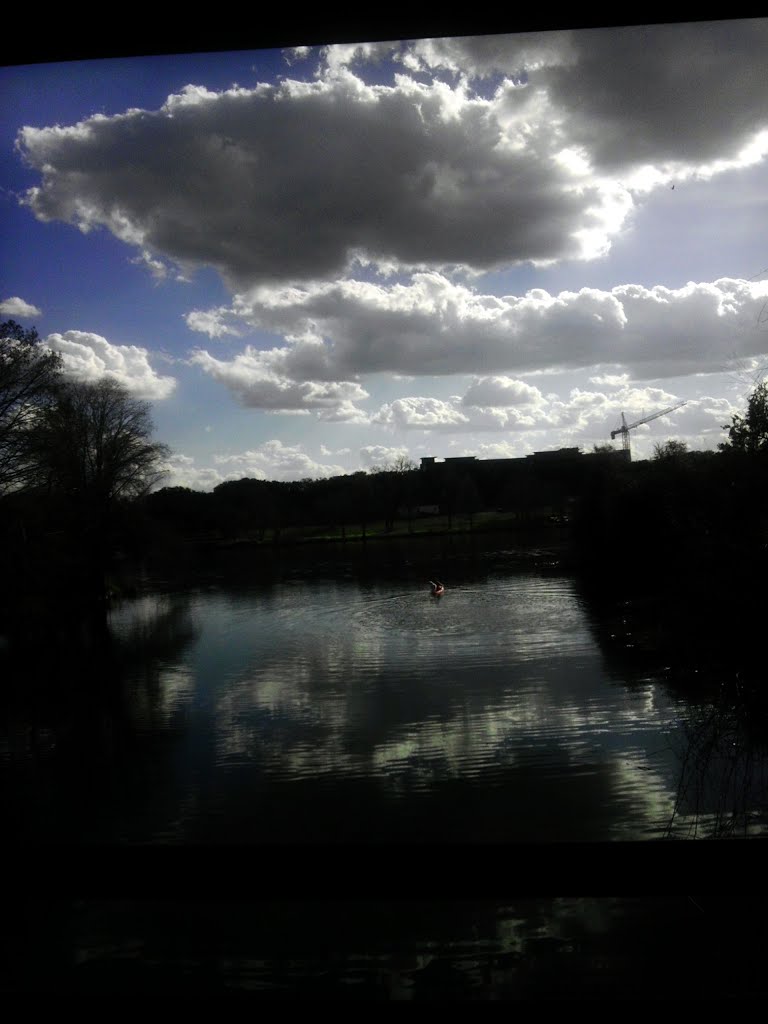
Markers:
<point>689,92</point>
<point>685,93</point>
<point>295,181</point>
<point>299,180</point>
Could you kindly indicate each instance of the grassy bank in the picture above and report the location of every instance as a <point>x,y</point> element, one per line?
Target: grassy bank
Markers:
<point>418,528</point>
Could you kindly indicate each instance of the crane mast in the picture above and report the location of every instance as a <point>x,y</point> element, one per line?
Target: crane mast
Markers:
<point>625,427</point>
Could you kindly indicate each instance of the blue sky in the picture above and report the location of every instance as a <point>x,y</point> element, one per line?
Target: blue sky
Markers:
<point>312,260</point>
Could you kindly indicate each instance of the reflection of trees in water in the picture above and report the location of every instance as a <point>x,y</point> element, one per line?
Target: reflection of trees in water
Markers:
<point>673,640</point>
<point>723,786</point>
<point>156,628</point>
<point>633,633</point>
<point>148,648</point>
<point>78,715</point>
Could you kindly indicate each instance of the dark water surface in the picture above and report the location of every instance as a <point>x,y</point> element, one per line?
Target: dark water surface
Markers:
<point>310,779</point>
<point>349,708</point>
<point>421,950</point>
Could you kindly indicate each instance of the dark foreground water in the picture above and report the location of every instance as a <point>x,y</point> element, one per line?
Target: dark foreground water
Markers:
<point>344,708</point>
<point>299,781</point>
<point>420,950</point>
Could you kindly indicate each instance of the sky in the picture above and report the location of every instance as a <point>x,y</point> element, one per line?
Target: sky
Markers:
<point>312,260</point>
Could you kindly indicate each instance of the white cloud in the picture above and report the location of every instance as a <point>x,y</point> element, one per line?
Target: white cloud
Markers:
<point>274,460</point>
<point>251,378</point>
<point>501,391</point>
<point>324,450</point>
<point>610,380</point>
<point>378,456</point>
<point>512,449</point>
<point>421,413</point>
<point>90,357</point>
<point>338,57</point>
<point>344,411</point>
<point>583,417</point>
<point>433,326</point>
<point>211,322</point>
<point>296,53</point>
<point>486,56</point>
<point>181,471</point>
<point>155,266</point>
<point>18,307</point>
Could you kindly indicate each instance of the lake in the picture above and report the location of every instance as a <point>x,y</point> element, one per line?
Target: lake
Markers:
<point>347,706</point>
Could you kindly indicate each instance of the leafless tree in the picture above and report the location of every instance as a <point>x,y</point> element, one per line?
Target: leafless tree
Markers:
<point>29,375</point>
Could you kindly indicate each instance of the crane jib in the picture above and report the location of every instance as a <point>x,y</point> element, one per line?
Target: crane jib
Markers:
<point>625,427</point>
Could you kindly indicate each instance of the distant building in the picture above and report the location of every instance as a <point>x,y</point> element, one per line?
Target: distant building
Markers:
<point>540,486</point>
<point>555,455</point>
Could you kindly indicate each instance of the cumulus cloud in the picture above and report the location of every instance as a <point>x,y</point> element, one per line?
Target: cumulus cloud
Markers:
<point>340,56</point>
<point>18,307</point>
<point>511,449</point>
<point>182,471</point>
<point>431,414</point>
<point>421,413</point>
<point>296,53</point>
<point>299,180</point>
<point>295,181</point>
<point>582,418</point>
<point>274,460</point>
<point>324,450</point>
<point>379,456</point>
<point>610,380</point>
<point>252,378</point>
<point>669,93</point>
<point>90,357</point>
<point>500,391</point>
<point>658,94</point>
<point>434,326</point>
<point>511,57</point>
<point>212,322</point>
<point>581,411</point>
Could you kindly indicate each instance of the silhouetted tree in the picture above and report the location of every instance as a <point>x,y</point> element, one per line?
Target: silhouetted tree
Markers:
<point>406,475</point>
<point>361,495</point>
<point>94,442</point>
<point>91,450</point>
<point>749,433</point>
<point>670,450</point>
<point>29,373</point>
<point>392,486</point>
<point>332,504</point>
<point>182,509</point>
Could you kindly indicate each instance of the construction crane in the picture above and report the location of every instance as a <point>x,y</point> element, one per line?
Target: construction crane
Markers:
<point>625,427</point>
